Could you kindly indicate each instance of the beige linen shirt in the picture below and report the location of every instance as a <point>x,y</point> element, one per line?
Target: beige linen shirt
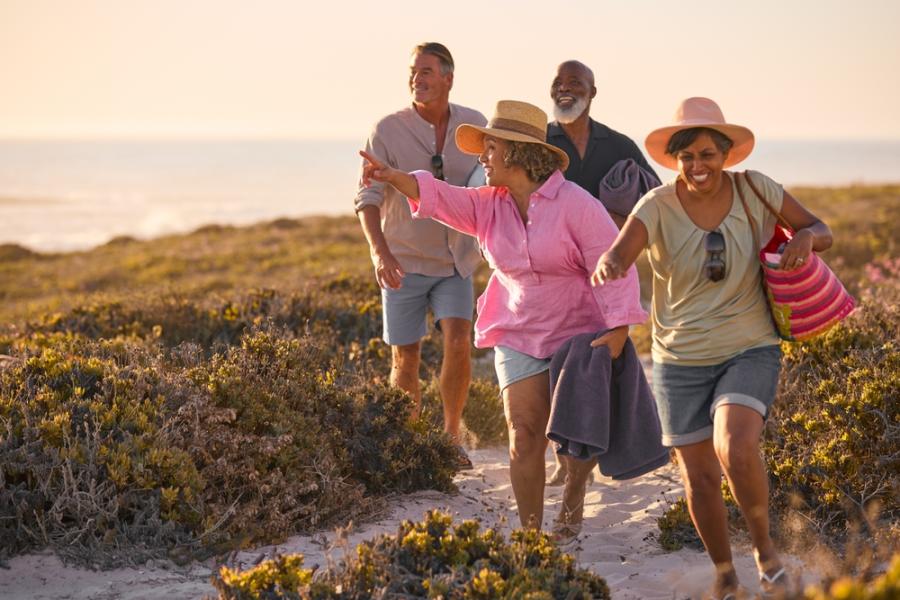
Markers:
<point>697,321</point>
<point>405,141</point>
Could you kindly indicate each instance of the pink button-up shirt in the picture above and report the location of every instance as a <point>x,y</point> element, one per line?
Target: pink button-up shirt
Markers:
<point>539,294</point>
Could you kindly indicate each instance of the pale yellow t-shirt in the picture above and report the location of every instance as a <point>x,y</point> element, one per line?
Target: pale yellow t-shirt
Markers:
<point>697,321</point>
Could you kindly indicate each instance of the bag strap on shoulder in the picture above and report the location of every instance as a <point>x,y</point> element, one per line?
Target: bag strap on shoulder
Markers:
<point>746,209</point>
<point>765,202</point>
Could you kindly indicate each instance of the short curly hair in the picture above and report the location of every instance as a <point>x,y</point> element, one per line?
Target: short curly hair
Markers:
<point>538,161</point>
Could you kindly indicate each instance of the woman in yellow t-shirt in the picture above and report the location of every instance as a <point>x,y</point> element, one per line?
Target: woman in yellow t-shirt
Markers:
<point>716,355</point>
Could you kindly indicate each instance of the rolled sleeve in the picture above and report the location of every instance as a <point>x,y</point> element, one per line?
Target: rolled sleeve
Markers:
<point>373,194</point>
<point>619,300</point>
<point>453,206</point>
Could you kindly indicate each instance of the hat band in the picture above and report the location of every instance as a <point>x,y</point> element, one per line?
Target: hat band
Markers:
<point>518,127</point>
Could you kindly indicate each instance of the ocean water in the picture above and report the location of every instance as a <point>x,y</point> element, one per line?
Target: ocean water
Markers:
<point>71,195</point>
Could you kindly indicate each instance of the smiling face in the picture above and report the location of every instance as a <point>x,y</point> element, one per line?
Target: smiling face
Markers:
<point>700,165</point>
<point>572,91</point>
<point>492,159</point>
<point>426,80</point>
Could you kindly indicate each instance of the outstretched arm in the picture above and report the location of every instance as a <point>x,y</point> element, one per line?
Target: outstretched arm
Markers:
<point>405,183</point>
<point>614,263</point>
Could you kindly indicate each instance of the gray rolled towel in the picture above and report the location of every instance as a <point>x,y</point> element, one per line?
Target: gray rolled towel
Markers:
<point>604,408</point>
<point>623,185</point>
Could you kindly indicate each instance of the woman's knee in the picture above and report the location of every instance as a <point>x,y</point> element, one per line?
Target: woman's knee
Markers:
<point>525,440</point>
<point>702,479</point>
<point>736,452</point>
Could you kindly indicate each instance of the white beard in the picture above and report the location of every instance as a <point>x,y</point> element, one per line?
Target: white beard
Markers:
<point>568,115</point>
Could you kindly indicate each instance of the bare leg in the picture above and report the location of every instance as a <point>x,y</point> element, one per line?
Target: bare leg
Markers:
<point>456,371</point>
<point>702,478</point>
<point>527,407</point>
<point>559,472</point>
<point>577,474</point>
<point>405,373</point>
<point>736,433</point>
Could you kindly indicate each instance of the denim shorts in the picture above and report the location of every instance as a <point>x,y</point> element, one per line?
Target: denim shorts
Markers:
<point>687,397</point>
<point>405,309</point>
<point>512,365</point>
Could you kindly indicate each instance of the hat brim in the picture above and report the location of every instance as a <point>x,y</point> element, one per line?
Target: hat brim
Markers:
<point>741,137</point>
<point>470,139</point>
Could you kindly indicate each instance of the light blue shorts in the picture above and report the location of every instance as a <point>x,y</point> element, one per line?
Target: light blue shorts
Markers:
<point>687,397</point>
<point>512,365</point>
<point>405,309</point>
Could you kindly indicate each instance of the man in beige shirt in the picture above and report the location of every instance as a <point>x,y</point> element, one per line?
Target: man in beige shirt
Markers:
<point>421,264</point>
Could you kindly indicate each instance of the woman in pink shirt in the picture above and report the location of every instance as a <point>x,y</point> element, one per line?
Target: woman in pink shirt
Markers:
<point>541,236</point>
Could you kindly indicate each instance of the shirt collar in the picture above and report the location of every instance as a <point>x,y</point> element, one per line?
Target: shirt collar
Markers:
<point>454,116</point>
<point>599,130</point>
<point>550,188</point>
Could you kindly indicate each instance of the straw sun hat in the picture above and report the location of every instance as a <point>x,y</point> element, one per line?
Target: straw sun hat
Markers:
<point>514,121</point>
<point>699,112</point>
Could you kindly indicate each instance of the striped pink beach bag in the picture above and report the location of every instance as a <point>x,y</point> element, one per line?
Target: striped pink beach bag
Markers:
<point>805,301</point>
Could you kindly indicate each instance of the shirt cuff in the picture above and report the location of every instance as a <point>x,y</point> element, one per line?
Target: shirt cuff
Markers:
<point>424,206</point>
<point>631,317</point>
<point>362,201</point>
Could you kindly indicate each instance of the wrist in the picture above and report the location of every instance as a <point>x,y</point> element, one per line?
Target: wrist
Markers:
<point>379,249</point>
<point>806,235</point>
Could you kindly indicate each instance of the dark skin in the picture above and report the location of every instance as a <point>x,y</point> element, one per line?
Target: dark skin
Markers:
<point>705,192</point>
<point>575,80</point>
<point>707,201</point>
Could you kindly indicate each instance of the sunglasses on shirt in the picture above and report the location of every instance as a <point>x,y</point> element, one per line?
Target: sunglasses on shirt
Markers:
<point>714,267</point>
<point>437,166</point>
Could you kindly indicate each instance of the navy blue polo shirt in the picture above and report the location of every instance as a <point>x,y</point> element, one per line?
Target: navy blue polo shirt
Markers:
<point>605,148</point>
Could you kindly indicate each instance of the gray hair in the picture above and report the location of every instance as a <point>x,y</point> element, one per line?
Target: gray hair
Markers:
<point>439,50</point>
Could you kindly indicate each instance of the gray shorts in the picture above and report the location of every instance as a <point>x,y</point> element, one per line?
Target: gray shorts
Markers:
<point>687,397</point>
<point>512,365</point>
<point>405,309</point>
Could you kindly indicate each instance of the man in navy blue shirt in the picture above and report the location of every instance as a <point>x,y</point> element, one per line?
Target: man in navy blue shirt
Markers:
<point>593,148</point>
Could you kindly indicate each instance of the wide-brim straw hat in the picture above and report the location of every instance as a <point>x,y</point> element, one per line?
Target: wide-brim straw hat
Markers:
<point>514,121</point>
<point>699,112</point>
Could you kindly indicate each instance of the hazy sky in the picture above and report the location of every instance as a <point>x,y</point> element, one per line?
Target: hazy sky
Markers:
<point>330,68</point>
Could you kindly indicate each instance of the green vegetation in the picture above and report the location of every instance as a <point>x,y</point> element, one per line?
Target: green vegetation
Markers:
<point>148,410</point>
<point>193,394</point>
<point>429,559</point>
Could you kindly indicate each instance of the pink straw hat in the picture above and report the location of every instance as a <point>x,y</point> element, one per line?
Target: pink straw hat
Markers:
<point>699,112</point>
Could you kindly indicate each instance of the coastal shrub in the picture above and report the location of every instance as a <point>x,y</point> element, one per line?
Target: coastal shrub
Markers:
<point>339,310</point>
<point>430,559</point>
<point>883,587</point>
<point>833,442</point>
<point>483,414</point>
<point>113,450</point>
<point>87,464</point>
<point>677,531</point>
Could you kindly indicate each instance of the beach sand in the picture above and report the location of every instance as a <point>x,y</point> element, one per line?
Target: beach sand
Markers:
<point>619,517</point>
